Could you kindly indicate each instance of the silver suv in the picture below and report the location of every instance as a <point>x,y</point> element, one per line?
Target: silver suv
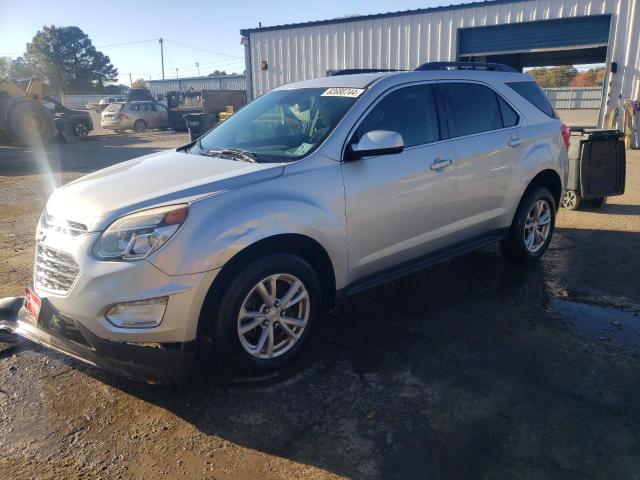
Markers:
<point>326,186</point>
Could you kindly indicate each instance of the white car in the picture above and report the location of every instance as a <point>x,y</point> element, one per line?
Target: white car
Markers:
<point>318,188</point>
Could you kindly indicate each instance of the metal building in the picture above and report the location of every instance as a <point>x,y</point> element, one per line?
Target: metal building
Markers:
<point>522,33</point>
<point>159,88</point>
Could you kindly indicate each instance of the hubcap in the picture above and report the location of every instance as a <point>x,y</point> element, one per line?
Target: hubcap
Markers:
<point>537,226</point>
<point>569,199</point>
<point>273,316</point>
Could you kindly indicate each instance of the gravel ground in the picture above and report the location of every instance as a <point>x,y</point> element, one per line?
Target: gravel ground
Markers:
<point>473,369</point>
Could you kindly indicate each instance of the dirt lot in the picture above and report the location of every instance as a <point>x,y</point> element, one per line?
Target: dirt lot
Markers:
<point>474,369</point>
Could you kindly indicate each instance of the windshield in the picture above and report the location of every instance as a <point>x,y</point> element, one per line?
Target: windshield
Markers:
<point>114,107</point>
<point>283,125</point>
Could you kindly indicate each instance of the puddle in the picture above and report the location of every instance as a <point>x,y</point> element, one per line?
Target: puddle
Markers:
<point>618,327</point>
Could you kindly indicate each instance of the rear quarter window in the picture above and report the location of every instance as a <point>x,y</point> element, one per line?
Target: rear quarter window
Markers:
<point>531,92</point>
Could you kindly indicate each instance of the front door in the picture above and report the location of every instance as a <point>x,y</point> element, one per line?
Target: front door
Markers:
<point>400,206</point>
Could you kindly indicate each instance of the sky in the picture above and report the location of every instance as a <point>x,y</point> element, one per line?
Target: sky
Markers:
<point>206,32</point>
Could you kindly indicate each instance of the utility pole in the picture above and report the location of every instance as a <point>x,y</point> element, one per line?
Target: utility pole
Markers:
<point>177,76</point>
<point>198,66</point>
<point>162,56</point>
<point>130,80</point>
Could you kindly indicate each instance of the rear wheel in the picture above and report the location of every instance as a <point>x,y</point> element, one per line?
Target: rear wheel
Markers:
<point>139,126</point>
<point>31,123</point>
<point>532,227</point>
<point>265,314</point>
<point>571,200</point>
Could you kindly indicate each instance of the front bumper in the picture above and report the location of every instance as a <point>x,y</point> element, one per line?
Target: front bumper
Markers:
<point>153,362</point>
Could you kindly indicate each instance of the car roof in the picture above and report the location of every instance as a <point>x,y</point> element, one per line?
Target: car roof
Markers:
<point>364,80</point>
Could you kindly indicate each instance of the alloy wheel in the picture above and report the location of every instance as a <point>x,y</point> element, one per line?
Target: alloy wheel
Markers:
<point>273,316</point>
<point>570,200</point>
<point>537,226</point>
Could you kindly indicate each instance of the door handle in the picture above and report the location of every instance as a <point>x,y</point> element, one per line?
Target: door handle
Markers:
<point>440,163</point>
<point>515,142</point>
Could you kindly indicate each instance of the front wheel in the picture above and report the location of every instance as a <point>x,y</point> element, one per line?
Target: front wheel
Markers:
<point>532,227</point>
<point>81,129</point>
<point>266,312</point>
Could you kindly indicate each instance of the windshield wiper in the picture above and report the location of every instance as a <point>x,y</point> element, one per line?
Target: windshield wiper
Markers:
<point>232,152</point>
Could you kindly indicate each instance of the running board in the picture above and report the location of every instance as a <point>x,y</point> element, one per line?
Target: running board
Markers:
<point>423,262</point>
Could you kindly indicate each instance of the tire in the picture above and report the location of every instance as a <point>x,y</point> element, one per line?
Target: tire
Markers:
<point>30,122</point>
<point>80,129</point>
<point>571,200</point>
<point>598,202</point>
<point>517,246</point>
<point>243,292</point>
<point>139,126</point>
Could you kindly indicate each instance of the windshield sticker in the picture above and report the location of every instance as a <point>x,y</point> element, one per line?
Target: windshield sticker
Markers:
<point>304,148</point>
<point>342,92</point>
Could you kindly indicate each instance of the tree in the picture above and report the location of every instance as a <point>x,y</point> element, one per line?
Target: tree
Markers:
<point>5,65</point>
<point>584,79</point>
<point>593,77</point>
<point>68,61</point>
<point>217,73</point>
<point>139,83</point>
<point>554,76</point>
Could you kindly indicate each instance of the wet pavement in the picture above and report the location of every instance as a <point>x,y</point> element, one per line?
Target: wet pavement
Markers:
<point>473,369</point>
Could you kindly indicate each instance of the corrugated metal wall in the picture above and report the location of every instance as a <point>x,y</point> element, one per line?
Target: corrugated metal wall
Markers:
<point>229,82</point>
<point>403,41</point>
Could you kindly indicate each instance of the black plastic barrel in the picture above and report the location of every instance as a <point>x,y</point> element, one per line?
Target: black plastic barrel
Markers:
<point>195,124</point>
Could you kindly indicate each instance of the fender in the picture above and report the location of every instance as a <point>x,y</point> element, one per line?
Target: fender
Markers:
<point>221,226</point>
<point>539,155</point>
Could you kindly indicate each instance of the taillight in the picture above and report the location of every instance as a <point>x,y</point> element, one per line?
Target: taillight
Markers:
<point>122,116</point>
<point>566,134</point>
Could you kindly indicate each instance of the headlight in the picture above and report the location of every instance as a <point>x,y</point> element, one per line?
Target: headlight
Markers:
<point>140,234</point>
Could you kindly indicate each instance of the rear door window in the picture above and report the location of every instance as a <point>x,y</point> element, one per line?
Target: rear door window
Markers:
<point>534,95</point>
<point>473,108</point>
<point>410,111</point>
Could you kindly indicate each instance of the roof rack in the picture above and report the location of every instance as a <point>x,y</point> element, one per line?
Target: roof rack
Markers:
<point>494,67</point>
<point>352,71</point>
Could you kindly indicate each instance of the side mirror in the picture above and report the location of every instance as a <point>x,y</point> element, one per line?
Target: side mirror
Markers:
<point>376,142</point>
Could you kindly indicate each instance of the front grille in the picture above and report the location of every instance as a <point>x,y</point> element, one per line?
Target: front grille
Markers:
<point>73,229</point>
<point>55,271</point>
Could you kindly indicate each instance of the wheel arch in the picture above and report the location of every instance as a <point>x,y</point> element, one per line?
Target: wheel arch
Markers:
<point>549,179</point>
<point>291,243</point>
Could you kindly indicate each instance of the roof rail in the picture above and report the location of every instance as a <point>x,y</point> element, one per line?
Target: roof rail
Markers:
<point>352,71</point>
<point>494,67</point>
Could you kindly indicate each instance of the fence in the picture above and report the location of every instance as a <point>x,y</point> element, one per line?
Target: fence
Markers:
<point>580,98</point>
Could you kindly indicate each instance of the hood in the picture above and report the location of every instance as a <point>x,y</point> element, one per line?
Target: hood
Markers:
<point>157,179</point>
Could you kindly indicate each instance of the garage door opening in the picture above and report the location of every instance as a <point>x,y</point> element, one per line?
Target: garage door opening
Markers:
<point>566,56</point>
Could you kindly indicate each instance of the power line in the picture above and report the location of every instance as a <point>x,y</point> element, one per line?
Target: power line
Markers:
<point>202,49</point>
<point>125,43</point>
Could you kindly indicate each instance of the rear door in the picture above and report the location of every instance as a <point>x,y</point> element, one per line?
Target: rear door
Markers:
<point>149,114</point>
<point>162,115</point>
<point>400,206</point>
<point>484,128</point>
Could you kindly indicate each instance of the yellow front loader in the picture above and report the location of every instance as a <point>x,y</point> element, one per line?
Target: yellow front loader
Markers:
<point>22,117</point>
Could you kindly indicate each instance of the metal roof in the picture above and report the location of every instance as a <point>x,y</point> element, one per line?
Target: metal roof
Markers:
<point>195,78</point>
<point>484,3</point>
